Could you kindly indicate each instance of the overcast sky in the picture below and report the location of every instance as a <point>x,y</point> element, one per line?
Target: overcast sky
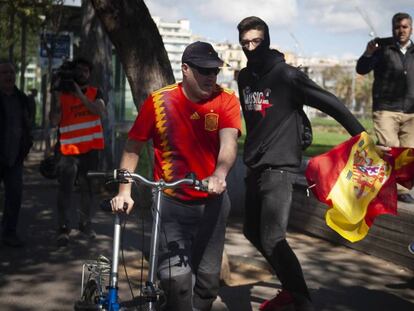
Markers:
<point>331,28</point>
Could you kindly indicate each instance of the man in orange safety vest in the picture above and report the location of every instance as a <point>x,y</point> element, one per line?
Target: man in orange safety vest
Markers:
<point>78,114</point>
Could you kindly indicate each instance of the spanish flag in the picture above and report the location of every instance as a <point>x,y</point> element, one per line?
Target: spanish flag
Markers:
<point>404,166</point>
<point>357,184</point>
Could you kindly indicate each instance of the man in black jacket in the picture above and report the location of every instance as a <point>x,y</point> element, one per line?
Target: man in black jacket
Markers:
<point>15,143</point>
<point>393,89</point>
<point>272,95</point>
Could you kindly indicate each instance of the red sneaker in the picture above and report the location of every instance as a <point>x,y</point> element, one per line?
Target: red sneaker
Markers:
<point>279,302</point>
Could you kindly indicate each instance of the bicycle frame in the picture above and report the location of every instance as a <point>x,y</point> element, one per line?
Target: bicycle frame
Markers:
<point>106,300</point>
<point>150,292</point>
<point>112,298</point>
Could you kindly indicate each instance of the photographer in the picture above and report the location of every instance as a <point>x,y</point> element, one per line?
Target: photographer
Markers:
<point>78,114</point>
<point>393,90</point>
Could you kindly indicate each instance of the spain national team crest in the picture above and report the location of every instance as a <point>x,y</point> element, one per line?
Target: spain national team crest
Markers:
<point>211,121</point>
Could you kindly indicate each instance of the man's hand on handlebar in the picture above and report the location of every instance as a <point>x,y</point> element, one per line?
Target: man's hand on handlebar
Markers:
<point>216,185</point>
<point>122,203</point>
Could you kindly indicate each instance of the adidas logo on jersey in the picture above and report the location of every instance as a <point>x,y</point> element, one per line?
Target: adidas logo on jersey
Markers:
<point>195,116</point>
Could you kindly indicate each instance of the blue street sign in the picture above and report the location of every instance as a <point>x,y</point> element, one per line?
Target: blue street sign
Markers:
<point>59,45</point>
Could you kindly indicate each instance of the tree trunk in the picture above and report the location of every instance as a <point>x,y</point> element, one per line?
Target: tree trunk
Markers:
<point>94,38</point>
<point>23,20</point>
<point>141,50</point>
<point>11,34</point>
<point>48,104</point>
<point>138,43</point>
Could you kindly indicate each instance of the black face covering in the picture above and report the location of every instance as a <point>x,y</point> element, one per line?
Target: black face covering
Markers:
<point>257,56</point>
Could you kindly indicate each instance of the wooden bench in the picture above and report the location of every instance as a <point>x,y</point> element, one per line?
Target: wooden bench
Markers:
<point>388,238</point>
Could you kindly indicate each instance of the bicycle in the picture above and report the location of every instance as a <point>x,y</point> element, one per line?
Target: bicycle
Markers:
<point>93,293</point>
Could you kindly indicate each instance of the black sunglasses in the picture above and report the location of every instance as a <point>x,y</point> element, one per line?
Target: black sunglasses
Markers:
<point>205,71</point>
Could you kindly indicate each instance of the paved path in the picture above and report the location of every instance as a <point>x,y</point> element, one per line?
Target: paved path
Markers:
<point>44,277</point>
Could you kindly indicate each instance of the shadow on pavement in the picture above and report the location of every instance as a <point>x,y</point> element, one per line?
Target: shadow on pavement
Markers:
<point>43,277</point>
<point>357,298</point>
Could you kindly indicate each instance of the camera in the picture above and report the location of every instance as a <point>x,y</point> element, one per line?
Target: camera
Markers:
<point>64,78</point>
<point>382,42</point>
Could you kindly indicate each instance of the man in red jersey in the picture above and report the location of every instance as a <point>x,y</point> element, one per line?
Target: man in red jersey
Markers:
<point>194,127</point>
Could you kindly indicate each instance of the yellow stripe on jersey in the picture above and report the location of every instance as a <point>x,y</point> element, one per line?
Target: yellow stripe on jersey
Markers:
<point>165,88</point>
<point>228,91</point>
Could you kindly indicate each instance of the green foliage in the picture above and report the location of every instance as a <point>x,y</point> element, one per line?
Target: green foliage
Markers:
<point>333,125</point>
<point>354,90</point>
<point>12,15</point>
<point>36,15</point>
<point>324,141</point>
<point>327,133</point>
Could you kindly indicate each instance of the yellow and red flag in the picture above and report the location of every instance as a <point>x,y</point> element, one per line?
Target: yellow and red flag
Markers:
<point>357,184</point>
<point>403,162</point>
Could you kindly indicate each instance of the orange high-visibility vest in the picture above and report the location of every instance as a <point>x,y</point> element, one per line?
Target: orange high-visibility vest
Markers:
<point>80,129</point>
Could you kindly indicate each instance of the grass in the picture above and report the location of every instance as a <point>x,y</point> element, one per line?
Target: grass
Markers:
<point>329,122</point>
<point>327,133</point>
<point>324,141</point>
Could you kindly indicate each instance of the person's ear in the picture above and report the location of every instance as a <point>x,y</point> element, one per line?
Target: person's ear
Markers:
<point>185,69</point>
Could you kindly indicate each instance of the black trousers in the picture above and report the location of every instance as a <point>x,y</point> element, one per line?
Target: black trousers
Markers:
<point>268,202</point>
<point>71,169</point>
<point>191,250</point>
<point>12,178</point>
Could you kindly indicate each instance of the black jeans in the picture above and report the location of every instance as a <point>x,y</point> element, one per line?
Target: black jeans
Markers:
<point>268,202</point>
<point>12,178</point>
<point>70,169</point>
<point>191,250</point>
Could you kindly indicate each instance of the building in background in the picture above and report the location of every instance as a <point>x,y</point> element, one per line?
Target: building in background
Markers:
<point>337,76</point>
<point>176,36</point>
<point>333,74</point>
<point>235,60</point>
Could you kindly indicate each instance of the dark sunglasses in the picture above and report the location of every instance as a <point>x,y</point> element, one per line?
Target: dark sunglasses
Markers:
<point>205,71</point>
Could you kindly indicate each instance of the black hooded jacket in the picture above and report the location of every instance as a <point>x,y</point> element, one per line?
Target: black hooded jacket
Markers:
<point>271,94</point>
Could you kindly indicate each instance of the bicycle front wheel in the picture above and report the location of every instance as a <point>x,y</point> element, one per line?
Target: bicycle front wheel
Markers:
<point>90,298</point>
<point>147,307</point>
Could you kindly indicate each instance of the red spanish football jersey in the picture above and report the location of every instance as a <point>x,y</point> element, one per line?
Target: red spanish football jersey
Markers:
<point>185,134</point>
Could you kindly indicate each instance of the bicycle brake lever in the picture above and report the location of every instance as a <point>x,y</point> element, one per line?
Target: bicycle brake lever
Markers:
<point>192,176</point>
<point>201,185</point>
<point>198,184</point>
<point>121,176</point>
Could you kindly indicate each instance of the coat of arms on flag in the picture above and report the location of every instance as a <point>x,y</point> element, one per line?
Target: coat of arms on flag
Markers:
<point>358,185</point>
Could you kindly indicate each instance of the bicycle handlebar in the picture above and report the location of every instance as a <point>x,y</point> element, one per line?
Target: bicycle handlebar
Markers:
<point>123,176</point>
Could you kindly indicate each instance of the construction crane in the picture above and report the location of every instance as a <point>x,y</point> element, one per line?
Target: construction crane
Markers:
<point>298,46</point>
<point>367,20</point>
<point>372,34</point>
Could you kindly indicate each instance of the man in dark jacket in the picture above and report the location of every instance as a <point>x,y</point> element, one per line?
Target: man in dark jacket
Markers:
<point>272,95</point>
<point>15,143</point>
<point>393,89</point>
